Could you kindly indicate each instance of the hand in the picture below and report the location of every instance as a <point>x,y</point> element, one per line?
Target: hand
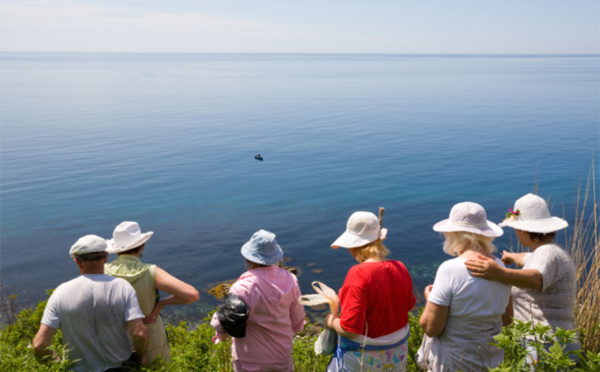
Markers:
<point>427,291</point>
<point>328,322</point>
<point>507,258</point>
<point>141,360</point>
<point>484,267</point>
<point>151,317</point>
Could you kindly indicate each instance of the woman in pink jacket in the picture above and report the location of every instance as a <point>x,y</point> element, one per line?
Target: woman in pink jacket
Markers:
<point>274,314</point>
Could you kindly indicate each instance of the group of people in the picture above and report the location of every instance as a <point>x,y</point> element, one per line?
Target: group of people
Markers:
<point>110,315</point>
<point>472,297</point>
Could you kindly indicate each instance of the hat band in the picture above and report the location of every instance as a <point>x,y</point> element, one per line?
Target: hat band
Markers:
<point>466,224</point>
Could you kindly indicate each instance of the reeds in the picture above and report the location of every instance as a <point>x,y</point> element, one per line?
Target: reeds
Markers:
<point>584,248</point>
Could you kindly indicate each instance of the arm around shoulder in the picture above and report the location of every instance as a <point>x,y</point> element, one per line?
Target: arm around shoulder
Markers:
<point>485,267</point>
<point>522,278</point>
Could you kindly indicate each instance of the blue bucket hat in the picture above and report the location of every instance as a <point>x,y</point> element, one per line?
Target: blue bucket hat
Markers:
<point>262,248</point>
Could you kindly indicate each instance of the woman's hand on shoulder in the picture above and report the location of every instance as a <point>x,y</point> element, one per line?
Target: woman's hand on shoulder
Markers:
<point>484,267</point>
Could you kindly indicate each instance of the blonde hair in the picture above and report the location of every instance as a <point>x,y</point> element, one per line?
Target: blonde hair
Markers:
<point>457,242</point>
<point>373,249</point>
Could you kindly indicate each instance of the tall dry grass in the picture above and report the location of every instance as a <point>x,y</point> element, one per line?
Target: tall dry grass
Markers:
<point>584,247</point>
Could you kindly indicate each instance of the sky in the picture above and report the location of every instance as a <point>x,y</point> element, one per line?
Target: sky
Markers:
<point>302,26</point>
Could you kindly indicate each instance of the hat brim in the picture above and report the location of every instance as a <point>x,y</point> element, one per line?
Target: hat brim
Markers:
<point>259,259</point>
<point>349,240</point>
<point>490,230</point>
<point>542,226</point>
<point>113,248</point>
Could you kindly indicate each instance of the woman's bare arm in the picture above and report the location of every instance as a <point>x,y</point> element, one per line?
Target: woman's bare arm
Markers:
<point>484,267</point>
<point>514,257</point>
<point>507,317</point>
<point>332,321</point>
<point>180,292</point>
<point>433,319</point>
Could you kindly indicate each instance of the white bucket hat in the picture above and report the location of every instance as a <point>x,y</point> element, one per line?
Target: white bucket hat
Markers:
<point>531,214</point>
<point>127,235</point>
<point>262,248</point>
<point>362,228</point>
<point>469,217</point>
<point>88,244</point>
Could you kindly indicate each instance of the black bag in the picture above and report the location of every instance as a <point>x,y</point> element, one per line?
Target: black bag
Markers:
<point>232,315</point>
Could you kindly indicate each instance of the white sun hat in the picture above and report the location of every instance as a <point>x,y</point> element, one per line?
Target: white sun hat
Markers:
<point>469,217</point>
<point>88,244</point>
<point>127,235</point>
<point>362,228</point>
<point>262,248</point>
<point>531,214</point>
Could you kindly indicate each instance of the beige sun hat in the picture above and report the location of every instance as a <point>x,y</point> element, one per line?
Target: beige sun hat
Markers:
<point>362,228</point>
<point>531,214</point>
<point>127,235</point>
<point>469,217</point>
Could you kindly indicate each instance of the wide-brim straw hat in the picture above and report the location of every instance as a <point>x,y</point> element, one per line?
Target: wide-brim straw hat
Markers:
<point>469,217</point>
<point>127,235</point>
<point>262,248</point>
<point>531,214</point>
<point>362,228</point>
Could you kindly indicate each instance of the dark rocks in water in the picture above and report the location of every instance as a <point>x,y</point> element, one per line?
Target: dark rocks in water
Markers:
<point>291,269</point>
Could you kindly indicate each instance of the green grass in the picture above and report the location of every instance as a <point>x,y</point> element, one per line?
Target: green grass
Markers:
<point>193,349</point>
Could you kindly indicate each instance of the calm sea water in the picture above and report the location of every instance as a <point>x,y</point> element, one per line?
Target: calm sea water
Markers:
<point>90,140</point>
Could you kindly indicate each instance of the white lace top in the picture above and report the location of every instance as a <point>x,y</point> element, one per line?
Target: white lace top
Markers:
<point>553,303</point>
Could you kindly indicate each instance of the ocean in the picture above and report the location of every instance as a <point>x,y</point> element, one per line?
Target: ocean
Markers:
<point>168,140</point>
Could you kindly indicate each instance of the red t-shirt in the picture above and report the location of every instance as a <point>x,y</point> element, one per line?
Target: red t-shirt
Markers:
<point>380,293</point>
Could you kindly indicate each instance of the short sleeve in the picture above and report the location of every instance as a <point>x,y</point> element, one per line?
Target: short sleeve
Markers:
<point>132,310</point>
<point>544,260</point>
<point>51,317</point>
<point>441,294</point>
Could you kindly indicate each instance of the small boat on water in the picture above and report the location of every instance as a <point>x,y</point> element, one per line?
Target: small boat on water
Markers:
<point>258,157</point>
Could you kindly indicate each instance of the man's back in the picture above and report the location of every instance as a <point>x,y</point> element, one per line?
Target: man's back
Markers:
<point>92,311</point>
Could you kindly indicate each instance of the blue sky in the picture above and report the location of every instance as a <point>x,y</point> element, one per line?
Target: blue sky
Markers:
<point>302,26</point>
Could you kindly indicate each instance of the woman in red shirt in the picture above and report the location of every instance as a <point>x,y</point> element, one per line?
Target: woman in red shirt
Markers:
<point>375,300</point>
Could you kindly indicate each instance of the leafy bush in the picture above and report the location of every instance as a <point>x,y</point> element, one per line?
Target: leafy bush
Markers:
<point>193,349</point>
<point>552,351</point>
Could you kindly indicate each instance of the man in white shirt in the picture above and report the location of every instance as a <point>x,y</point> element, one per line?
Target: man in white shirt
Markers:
<point>97,314</point>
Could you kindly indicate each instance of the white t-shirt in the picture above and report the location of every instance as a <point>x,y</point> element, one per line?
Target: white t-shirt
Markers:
<point>92,311</point>
<point>467,295</point>
<point>553,304</point>
<point>474,317</point>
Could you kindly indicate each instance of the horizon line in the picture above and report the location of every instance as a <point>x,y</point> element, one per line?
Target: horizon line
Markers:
<point>314,53</point>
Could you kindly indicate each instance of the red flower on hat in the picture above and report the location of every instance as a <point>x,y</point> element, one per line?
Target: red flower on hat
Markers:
<point>513,215</point>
